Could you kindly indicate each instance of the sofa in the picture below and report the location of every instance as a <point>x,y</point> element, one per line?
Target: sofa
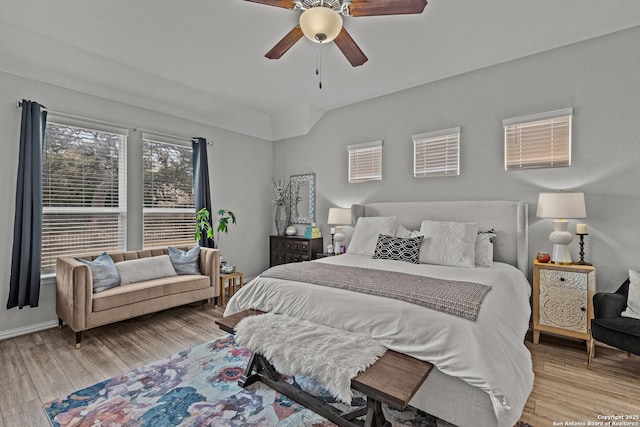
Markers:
<point>81,308</point>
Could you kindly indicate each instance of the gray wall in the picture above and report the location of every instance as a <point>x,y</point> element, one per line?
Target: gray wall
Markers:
<point>240,168</point>
<point>599,78</point>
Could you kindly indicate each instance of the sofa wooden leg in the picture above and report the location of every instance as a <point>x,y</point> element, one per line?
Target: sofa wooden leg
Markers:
<point>60,323</point>
<point>78,339</point>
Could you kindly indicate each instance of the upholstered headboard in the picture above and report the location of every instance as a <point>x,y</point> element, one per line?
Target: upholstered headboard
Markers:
<point>508,219</point>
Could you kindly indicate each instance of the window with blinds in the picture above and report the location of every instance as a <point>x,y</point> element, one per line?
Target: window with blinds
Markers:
<point>538,141</point>
<point>436,153</point>
<point>169,206</point>
<point>83,192</point>
<point>365,162</point>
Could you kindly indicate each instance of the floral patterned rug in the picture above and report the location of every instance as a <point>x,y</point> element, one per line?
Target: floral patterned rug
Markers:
<point>199,387</point>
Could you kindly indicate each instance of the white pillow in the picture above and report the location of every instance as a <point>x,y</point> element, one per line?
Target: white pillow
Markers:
<point>448,243</point>
<point>365,235</point>
<point>484,249</point>
<point>405,233</point>
<point>139,270</point>
<point>633,301</point>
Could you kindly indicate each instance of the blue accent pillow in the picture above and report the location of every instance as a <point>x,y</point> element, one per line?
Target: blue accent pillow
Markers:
<point>185,262</point>
<point>103,272</point>
<point>397,248</point>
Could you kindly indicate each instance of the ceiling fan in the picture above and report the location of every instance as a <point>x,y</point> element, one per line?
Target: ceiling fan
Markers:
<point>321,22</point>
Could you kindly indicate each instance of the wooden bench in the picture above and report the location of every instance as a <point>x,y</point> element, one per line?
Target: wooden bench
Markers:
<point>393,379</point>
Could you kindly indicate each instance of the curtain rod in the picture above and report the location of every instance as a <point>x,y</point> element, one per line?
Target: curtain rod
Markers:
<point>108,123</point>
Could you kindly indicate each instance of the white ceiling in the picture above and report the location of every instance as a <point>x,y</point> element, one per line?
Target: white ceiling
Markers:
<point>204,59</point>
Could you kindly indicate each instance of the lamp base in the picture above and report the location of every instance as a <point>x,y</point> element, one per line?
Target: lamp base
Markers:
<point>561,238</point>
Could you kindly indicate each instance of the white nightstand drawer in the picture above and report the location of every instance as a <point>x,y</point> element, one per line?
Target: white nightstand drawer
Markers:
<point>564,279</point>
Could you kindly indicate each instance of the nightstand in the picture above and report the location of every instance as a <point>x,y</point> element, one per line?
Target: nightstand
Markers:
<point>563,301</point>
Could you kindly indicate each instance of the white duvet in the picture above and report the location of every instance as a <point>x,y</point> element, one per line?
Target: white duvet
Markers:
<point>488,353</point>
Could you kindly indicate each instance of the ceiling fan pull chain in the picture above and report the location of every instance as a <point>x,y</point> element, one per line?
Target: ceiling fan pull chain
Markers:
<point>319,65</point>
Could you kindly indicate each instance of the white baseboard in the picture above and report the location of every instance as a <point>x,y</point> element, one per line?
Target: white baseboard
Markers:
<point>28,329</point>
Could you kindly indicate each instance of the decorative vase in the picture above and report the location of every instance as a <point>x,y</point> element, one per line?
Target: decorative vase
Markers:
<point>281,220</point>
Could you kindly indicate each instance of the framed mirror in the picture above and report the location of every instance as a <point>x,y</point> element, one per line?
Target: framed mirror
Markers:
<point>303,198</point>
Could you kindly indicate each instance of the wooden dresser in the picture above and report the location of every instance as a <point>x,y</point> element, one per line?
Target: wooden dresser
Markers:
<point>286,249</point>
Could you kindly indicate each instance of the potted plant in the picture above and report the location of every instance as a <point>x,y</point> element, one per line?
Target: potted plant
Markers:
<point>203,224</point>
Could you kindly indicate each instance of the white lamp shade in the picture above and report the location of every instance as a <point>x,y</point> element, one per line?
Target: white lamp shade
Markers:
<point>561,205</point>
<point>320,24</point>
<point>339,216</point>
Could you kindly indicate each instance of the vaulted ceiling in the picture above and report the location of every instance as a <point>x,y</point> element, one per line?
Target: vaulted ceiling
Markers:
<point>204,59</point>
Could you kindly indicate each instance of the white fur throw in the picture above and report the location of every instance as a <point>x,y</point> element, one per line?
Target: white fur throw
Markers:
<point>301,347</point>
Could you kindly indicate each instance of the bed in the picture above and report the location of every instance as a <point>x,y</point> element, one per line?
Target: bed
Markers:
<point>483,373</point>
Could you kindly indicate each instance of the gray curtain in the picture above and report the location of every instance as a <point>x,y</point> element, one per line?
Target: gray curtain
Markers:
<point>24,284</point>
<point>201,182</point>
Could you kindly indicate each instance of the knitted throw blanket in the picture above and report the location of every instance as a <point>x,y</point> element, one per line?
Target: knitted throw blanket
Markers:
<point>462,299</point>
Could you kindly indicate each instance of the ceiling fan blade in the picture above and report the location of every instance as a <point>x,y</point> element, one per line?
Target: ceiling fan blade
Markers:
<point>286,4</point>
<point>350,49</point>
<point>386,7</point>
<point>285,44</point>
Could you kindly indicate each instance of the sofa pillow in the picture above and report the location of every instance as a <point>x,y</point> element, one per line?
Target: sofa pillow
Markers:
<point>397,248</point>
<point>139,270</point>
<point>185,262</point>
<point>633,300</point>
<point>484,249</point>
<point>104,273</point>
<point>448,243</point>
<point>365,235</point>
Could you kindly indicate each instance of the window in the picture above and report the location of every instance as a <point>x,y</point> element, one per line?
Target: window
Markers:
<point>365,162</point>
<point>436,153</point>
<point>83,191</point>
<point>169,206</point>
<point>538,141</point>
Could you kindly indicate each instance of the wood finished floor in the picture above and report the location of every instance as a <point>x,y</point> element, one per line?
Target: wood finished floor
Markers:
<point>44,365</point>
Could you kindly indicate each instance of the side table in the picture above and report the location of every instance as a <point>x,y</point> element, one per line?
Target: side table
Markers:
<point>233,279</point>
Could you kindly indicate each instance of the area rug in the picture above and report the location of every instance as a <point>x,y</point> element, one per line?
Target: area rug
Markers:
<point>199,387</point>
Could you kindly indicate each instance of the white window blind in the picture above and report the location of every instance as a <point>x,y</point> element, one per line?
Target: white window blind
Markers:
<point>436,153</point>
<point>365,162</point>
<point>538,141</point>
<point>169,206</point>
<point>83,192</point>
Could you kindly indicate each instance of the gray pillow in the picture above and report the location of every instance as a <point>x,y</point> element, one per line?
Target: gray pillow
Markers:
<point>365,235</point>
<point>448,243</point>
<point>103,272</point>
<point>185,262</point>
<point>139,270</point>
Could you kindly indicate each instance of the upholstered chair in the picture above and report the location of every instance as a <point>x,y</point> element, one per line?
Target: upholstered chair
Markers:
<point>609,327</point>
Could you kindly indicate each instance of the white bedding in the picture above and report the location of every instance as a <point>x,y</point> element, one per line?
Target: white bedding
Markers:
<point>488,353</point>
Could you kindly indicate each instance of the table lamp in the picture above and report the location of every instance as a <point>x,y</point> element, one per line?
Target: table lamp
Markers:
<point>561,206</point>
<point>339,217</point>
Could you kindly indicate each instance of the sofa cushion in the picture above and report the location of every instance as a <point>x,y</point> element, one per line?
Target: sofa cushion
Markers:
<point>139,270</point>
<point>104,274</point>
<point>185,262</point>
<point>620,332</point>
<point>143,291</point>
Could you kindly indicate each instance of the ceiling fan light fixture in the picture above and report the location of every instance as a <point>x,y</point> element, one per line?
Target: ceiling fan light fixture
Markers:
<point>320,24</point>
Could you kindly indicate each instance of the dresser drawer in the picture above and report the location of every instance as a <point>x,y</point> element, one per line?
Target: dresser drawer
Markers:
<point>284,249</point>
